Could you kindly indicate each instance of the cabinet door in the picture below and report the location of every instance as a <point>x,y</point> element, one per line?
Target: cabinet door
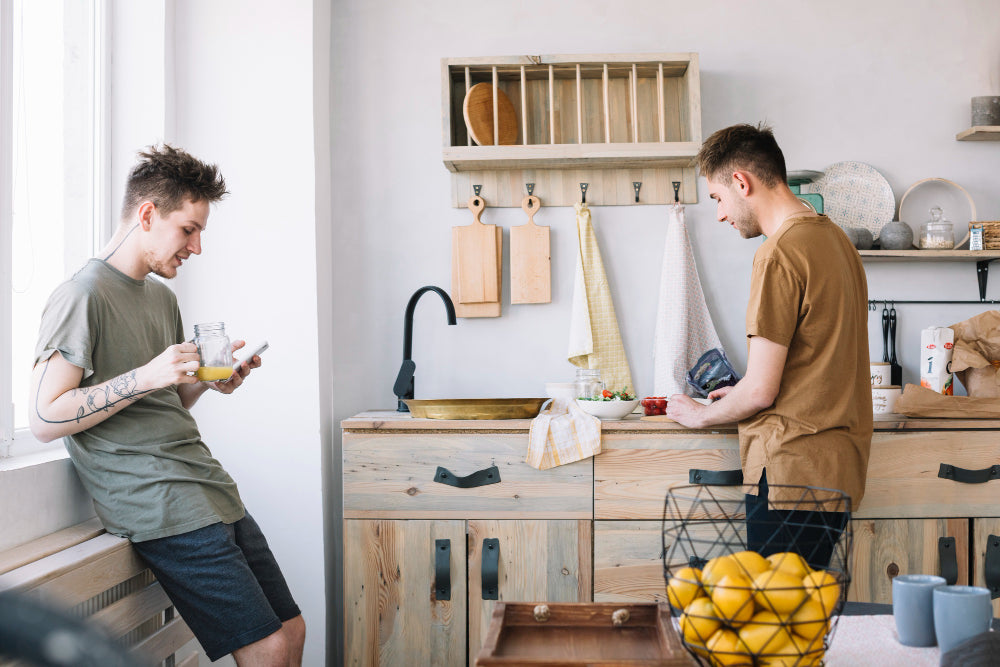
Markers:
<point>539,561</point>
<point>391,612</point>
<point>884,548</point>
<point>627,562</point>
<point>982,529</point>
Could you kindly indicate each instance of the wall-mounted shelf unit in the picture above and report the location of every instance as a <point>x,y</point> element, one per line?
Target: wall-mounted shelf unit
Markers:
<point>607,120</point>
<point>982,258</point>
<point>980,133</point>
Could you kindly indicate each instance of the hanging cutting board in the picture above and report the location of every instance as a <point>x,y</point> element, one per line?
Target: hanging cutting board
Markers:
<point>530,258</point>
<point>476,252</point>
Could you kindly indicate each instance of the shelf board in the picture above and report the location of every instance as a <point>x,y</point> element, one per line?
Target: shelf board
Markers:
<point>646,155</point>
<point>980,133</point>
<point>930,255</point>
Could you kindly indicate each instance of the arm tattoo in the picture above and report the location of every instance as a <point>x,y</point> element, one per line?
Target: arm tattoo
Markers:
<point>99,397</point>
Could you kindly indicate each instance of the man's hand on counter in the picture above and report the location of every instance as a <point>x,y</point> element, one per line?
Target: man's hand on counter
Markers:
<point>686,411</point>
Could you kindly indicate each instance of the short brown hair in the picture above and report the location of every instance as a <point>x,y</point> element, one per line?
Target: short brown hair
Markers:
<point>743,148</point>
<point>167,176</point>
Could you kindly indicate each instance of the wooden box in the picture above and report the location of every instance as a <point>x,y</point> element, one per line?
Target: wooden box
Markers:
<point>608,120</point>
<point>582,633</point>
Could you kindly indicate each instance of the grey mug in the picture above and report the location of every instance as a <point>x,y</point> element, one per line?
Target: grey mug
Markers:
<point>913,607</point>
<point>960,612</point>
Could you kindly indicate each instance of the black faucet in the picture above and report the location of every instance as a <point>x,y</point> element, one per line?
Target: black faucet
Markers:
<point>403,387</point>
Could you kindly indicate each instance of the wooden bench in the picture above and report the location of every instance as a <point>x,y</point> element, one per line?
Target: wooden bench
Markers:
<point>97,576</point>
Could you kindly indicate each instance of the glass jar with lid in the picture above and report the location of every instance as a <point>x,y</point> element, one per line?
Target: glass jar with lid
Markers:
<point>937,233</point>
<point>215,351</point>
<point>588,382</point>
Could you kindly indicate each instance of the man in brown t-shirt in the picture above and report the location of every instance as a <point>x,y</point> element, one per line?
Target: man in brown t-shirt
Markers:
<point>804,407</point>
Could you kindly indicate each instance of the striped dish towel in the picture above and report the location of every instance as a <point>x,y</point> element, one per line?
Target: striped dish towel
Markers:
<point>594,338</point>
<point>562,434</point>
<point>684,328</point>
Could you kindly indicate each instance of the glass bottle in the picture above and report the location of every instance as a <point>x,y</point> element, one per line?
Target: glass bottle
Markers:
<point>215,351</point>
<point>588,382</point>
<point>936,233</point>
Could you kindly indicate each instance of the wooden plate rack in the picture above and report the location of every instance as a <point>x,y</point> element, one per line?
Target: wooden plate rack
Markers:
<point>609,120</point>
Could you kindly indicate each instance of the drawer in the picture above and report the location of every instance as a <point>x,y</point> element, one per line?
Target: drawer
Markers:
<point>903,479</point>
<point>396,476</point>
<point>634,471</point>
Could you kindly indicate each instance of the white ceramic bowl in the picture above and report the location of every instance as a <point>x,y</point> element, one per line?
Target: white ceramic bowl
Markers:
<point>564,390</point>
<point>608,409</point>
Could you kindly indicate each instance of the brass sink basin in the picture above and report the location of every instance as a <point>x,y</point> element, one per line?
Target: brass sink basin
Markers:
<point>475,408</point>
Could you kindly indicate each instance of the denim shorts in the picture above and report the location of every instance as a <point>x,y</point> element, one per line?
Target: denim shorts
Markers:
<point>224,582</point>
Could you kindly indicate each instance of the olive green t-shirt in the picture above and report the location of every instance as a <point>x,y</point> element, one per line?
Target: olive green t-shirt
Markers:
<point>809,292</point>
<point>146,467</point>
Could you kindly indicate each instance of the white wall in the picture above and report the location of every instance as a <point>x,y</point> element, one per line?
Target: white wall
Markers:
<point>243,81</point>
<point>887,83</point>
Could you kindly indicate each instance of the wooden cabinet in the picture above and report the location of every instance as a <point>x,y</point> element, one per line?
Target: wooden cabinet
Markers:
<point>592,530</point>
<point>609,120</point>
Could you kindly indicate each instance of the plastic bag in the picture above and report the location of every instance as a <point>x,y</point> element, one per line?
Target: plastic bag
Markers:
<point>712,371</point>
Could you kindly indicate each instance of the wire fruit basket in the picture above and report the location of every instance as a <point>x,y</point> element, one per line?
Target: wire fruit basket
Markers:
<point>765,593</point>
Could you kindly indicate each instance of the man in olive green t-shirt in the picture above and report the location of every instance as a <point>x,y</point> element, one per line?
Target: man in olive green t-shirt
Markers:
<point>115,378</point>
<point>804,407</point>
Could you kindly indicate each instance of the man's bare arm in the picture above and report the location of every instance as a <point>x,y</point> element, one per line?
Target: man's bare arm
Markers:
<point>59,406</point>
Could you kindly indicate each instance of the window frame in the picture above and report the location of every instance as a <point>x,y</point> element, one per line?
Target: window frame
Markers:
<point>18,446</point>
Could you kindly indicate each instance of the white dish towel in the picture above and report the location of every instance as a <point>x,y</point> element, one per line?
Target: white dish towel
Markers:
<point>684,328</point>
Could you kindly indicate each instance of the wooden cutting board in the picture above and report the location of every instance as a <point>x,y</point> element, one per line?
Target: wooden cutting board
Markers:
<point>478,111</point>
<point>530,258</point>
<point>476,265</point>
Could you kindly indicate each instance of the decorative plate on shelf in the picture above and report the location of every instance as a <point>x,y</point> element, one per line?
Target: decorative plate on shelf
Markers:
<point>855,195</point>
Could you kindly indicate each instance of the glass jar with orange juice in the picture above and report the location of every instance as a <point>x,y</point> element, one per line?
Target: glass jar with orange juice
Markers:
<point>215,351</point>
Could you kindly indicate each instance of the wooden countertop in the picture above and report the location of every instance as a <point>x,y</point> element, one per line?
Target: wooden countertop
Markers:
<point>390,420</point>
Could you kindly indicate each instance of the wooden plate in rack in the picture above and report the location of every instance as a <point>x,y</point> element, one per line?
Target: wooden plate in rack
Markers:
<point>478,112</point>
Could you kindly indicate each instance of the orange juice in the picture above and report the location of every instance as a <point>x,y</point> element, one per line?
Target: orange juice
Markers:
<point>213,373</point>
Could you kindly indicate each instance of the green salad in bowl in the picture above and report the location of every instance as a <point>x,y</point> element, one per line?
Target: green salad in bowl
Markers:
<point>608,395</point>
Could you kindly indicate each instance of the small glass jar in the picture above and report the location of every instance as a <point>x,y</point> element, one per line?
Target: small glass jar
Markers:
<point>215,351</point>
<point>937,233</point>
<point>588,382</point>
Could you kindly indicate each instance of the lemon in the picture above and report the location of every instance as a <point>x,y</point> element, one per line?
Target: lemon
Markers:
<point>684,586</point>
<point>699,621</point>
<point>733,599</point>
<point>764,634</point>
<point>790,562</point>
<point>751,562</point>
<point>716,569</point>
<point>798,652</point>
<point>823,587</point>
<point>809,621</point>
<point>726,648</point>
<point>778,591</point>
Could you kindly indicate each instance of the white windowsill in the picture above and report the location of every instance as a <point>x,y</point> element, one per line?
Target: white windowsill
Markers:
<point>24,452</point>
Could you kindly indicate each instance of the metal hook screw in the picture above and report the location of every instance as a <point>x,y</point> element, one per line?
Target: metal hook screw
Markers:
<point>477,189</point>
<point>636,185</point>
<point>583,192</point>
<point>677,191</point>
<point>530,188</point>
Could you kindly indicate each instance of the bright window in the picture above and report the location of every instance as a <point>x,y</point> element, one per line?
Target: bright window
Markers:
<point>53,144</point>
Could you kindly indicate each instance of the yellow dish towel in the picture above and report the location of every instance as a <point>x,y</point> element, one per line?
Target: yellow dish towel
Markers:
<point>562,434</point>
<point>594,338</point>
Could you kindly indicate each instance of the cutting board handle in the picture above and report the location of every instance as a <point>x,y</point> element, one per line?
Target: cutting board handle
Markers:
<point>476,205</point>
<point>530,205</point>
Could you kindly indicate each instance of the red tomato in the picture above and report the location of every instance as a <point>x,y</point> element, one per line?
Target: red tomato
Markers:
<point>607,394</point>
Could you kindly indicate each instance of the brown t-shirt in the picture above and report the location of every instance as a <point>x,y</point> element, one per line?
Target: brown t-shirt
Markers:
<point>808,292</point>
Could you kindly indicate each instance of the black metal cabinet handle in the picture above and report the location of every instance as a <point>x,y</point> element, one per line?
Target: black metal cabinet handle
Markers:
<point>491,568</point>
<point>442,569</point>
<point>948,471</point>
<point>715,477</point>
<point>489,475</point>
<point>992,567</point>
<point>948,560</point>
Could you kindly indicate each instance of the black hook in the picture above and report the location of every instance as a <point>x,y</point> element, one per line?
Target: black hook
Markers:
<point>583,192</point>
<point>531,188</point>
<point>477,189</point>
<point>636,185</point>
<point>677,191</point>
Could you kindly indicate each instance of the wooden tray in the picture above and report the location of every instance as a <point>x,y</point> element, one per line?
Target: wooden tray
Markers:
<point>582,633</point>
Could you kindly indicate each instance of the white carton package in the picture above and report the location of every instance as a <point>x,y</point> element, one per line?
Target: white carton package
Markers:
<point>936,345</point>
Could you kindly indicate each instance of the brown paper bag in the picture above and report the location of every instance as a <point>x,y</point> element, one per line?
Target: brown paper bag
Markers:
<point>976,357</point>
<point>921,402</point>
